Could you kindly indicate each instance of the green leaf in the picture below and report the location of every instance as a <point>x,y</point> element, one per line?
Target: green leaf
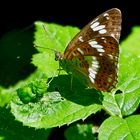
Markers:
<point>13,130</point>
<point>5,96</point>
<point>59,107</point>
<point>131,43</point>
<point>50,36</point>
<point>53,36</point>
<point>115,128</point>
<point>121,104</point>
<point>80,132</point>
<point>62,104</point>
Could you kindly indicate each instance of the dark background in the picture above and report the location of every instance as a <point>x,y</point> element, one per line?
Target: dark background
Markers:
<point>21,14</point>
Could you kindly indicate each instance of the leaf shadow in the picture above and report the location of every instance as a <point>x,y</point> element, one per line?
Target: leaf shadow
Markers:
<point>10,129</point>
<point>78,93</point>
<point>16,50</point>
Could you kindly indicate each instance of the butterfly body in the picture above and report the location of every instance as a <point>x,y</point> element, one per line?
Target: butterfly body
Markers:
<point>92,55</point>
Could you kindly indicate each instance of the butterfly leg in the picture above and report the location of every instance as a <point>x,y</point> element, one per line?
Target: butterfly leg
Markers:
<point>48,83</point>
<point>71,80</point>
<point>59,69</point>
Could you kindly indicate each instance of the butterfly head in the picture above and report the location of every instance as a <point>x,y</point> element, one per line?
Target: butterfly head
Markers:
<point>58,56</point>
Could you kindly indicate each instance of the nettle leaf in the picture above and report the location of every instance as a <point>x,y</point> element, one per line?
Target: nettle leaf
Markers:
<point>115,128</point>
<point>80,132</point>
<point>59,105</point>
<point>10,129</point>
<point>53,36</point>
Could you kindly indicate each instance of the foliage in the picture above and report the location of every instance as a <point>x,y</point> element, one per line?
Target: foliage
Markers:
<point>47,99</point>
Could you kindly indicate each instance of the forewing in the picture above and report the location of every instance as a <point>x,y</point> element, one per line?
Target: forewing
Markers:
<point>106,24</point>
<point>98,59</point>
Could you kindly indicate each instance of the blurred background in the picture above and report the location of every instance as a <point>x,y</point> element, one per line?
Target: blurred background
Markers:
<point>22,14</point>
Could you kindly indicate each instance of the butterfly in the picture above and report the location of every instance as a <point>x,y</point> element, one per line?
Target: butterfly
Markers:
<point>92,55</point>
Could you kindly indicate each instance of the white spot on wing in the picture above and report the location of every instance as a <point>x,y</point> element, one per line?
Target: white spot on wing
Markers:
<point>94,25</point>
<point>100,50</point>
<point>95,64</point>
<point>117,34</point>
<point>106,14</point>
<point>92,42</point>
<point>98,28</point>
<point>91,73</point>
<point>104,40</point>
<point>112,35</point>
<point>101,54</point>
<point>95,72</point>
<point>81,39</point>
<point>93,69</point>
<point>97,46</point>
<point>91,79</point>
<point>107,18</point>
<point>103,31</point>
<point>94,58</point>
<point>110,56</point>
<point>79,50</point>
<point>102,37</point>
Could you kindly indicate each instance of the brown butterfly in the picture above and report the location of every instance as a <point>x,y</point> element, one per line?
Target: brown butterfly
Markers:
<point>92,55</point>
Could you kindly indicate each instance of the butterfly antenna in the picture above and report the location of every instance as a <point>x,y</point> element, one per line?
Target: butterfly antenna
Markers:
<point>51,36</point>
<point>46,48</point>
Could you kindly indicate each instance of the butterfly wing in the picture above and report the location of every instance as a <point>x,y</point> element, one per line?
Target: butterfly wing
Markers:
<point>98,62</point>
<point>106,24</point>
<point>92,55</point>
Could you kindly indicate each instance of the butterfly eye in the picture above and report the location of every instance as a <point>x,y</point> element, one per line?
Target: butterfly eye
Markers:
<point>58,56</point>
